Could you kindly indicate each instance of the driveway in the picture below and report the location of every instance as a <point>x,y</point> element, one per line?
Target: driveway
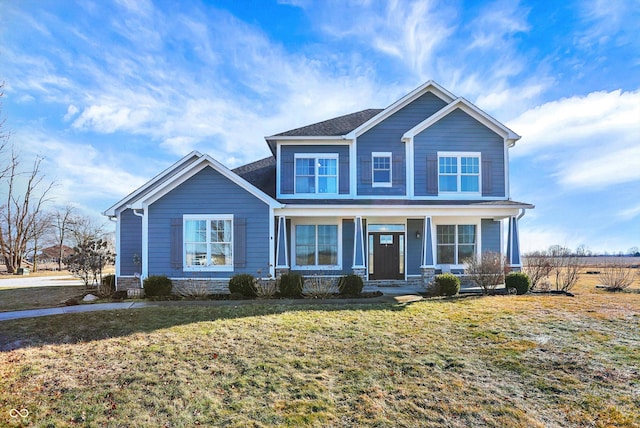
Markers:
<point>39,281</point>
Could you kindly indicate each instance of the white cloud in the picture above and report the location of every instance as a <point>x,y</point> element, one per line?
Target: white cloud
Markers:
<point>71,112</point>
<point>592,140</point>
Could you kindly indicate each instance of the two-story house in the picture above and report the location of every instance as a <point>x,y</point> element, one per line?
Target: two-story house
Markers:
<point>391,194</point>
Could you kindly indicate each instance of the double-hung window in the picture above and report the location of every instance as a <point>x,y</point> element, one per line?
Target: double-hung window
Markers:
<point>316,245</point>
<point>456,243</point>
<point>459,172</point>
<point>381,169</point>
<point>208,242</point>
<point>316,173</point>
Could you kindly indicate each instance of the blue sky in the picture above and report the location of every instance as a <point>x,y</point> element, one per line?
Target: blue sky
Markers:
<point>112,92</point>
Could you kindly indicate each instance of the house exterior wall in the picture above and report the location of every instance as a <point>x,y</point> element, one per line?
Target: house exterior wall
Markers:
<point>130,242</point>
<point>208,192</point>
<point>491,240</point>
<point>287,166</point>
<point>386,137</point>
<point>459,132</point>
<point>414,245</point>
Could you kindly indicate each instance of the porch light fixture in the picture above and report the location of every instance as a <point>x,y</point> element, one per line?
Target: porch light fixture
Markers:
<point>417,234</point>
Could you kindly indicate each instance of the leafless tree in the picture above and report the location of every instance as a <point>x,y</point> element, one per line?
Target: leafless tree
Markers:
<point>40,230</point>
<point>21,210</point>
<point>616,276</point>
<point>84,229</point>
<point>537,266</point>
<point>487,271</point>
<point>63,221</point>
<point>565,267</point>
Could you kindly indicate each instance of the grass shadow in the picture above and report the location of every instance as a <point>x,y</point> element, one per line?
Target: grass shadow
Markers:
<point>22,298</point>
<point>81,327</point>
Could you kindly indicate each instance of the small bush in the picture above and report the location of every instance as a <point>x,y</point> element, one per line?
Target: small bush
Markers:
<point>107,286</point>
<point>350,285</point>
<point>519,281</point>
<point>243,283</point>
<point>448,284</point>
<point>291,285</point>
<point>320,287</point>
<point>192,289</point>
<point>157,285</point>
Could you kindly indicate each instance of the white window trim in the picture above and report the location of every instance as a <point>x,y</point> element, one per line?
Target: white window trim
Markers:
<point>373,180</point>
<point>315,222</point>
<point>209,218</point>
<point>459,155</point>
<point>477,244</point>
<point>316,156</point>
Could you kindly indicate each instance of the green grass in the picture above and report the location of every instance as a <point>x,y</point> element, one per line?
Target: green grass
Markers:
<point>22,298</point>
<point>490,361</point>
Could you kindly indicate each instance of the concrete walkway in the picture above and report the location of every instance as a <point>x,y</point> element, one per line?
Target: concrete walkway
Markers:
<point>398,295</point>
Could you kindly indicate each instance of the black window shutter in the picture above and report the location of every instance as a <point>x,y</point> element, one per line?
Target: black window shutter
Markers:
<point>176,243</point>
<point>432,174</point>
<point>398,170</point>
<point>287,175</point>
<point>487,182</point>
<point>239,242</point>
<point>344,175</point>
<point>365,169</point>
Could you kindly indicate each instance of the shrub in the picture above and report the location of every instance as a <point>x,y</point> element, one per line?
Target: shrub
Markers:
<point>616,276</point>
<point>291,285</point>
<point>107,286</point>
<point>243,283</point>
<point>487,271</point>
<point>266,288</point>
<point>519,281</point>
<point>447,284</point>
<point>320,287</point>
<point>350,285</point>
<point>192,289</point>
<point>157,285</point>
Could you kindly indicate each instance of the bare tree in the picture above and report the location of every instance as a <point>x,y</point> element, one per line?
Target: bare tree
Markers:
<point>537,266</point>
<point>84,229</point>
<point>63,221</point>
<point>565,267</point>
<point>487,271</point>
<point>39,231</point>
<point>616,275</point>
<point>21,211</point>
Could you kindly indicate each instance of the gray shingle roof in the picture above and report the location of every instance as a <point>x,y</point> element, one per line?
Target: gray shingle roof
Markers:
<point>333,127</point>
<point>261,173</point>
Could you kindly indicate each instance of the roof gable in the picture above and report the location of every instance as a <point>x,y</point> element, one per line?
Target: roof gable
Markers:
<point>473,111</point>
<point>429,86</point>
<point>177,174</point>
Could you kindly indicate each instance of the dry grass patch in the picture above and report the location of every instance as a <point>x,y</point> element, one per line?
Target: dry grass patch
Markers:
<point>522,361</point>
<point>21,298</point>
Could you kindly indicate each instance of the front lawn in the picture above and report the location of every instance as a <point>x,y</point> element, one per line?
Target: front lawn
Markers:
<point>476,361</point>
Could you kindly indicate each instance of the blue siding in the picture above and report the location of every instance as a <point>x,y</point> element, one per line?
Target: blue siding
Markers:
<point>208,192</point>
<point>287,165</point>
<point>414,246</point>
<point>461,133</point>
<point>386,137</point>
<point>130,242</point>
<point>490,235</point>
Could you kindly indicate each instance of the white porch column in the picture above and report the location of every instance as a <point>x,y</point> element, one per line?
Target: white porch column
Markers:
<point>428,267</point>
<point>282,256</point>
<point>359,267</point>
<point>513,245</point>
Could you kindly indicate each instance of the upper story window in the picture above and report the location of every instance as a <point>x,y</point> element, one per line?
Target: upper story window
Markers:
<point>459,172</point>
<point>381,169</point>
<point>316,173</point>
<point>208,242</point>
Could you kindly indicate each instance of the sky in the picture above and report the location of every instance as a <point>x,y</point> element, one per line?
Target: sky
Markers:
<point>111,92</point>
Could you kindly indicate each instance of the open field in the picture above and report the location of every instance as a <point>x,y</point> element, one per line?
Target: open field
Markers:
<point>476,361</point>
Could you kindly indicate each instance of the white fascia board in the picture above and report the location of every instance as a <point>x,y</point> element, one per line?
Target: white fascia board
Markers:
<point>411,211</point>
<point>193,169</point>
<point>429,86</point>
<point>473,111</point>
<point>140,191</point>
<point>303,138</point>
